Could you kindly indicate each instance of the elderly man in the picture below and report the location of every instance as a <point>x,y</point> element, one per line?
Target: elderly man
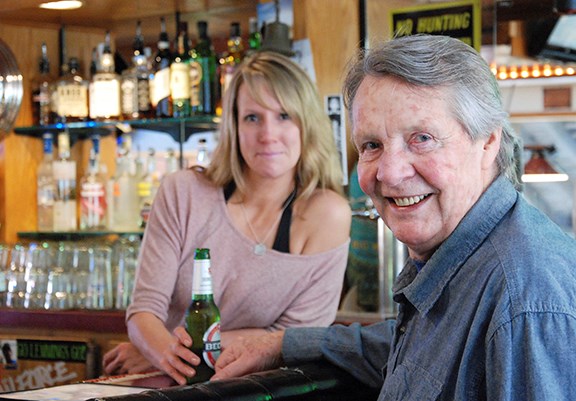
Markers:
<point>487,299</point>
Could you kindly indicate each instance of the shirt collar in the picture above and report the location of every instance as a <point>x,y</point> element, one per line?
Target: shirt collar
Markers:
<point>422,290</point>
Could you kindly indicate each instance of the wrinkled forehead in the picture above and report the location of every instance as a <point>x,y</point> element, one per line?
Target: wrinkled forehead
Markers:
<point>375,91</point>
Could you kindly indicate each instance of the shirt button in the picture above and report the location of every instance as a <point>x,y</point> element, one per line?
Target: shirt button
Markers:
<point>402,329</point>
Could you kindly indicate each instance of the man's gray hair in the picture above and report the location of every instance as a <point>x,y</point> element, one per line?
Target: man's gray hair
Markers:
<point>441,61</point>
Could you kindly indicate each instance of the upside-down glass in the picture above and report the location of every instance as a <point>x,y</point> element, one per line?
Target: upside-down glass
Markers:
<point>100,294</point>
<point>16,276</point>
<point>4,257</point>
<point>38,265</point>
<point>124,261</point>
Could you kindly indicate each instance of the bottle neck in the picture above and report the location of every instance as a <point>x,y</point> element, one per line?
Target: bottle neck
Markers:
<point>202,297</point>
<point>63,147</point>
<point>107,63</point>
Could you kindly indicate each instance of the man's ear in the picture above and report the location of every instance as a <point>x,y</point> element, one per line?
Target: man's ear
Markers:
<point>491,148</point>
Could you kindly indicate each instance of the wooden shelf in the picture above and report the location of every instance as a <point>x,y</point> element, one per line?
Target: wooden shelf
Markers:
<point>180,129</point>
<point>74,320</point>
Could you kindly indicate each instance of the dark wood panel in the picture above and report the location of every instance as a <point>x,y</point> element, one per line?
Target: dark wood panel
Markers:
<point>73,320</point>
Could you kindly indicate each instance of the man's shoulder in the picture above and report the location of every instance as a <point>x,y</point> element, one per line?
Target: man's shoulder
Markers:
<point>538,261</point>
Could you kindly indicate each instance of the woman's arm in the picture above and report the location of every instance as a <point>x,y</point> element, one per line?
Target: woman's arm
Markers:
<point>167,351</point>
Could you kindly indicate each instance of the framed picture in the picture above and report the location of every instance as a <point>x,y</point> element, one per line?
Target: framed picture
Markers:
<point>334,106</point>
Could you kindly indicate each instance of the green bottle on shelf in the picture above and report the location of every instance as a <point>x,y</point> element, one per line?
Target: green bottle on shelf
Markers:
<point>203,73</point>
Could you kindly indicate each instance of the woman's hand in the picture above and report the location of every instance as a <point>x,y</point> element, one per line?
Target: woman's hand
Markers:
<point>125,358</point>
<point>176,359</point>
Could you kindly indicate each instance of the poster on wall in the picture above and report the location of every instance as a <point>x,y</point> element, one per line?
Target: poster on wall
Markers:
<point>334,106</point>
<point>458,19</point>
<point>37,362</point>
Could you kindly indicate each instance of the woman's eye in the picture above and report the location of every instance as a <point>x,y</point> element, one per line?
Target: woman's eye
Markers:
<point>284,116</point>
<point>250,117</point>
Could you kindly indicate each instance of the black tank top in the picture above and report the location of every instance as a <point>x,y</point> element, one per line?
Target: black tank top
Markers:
<point>282,240</point>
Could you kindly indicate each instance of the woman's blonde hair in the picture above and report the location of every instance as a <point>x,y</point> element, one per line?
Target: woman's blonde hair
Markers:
<point>318,166</point>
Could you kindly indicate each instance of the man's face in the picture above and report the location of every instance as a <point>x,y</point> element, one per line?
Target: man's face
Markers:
<point>416,161</point>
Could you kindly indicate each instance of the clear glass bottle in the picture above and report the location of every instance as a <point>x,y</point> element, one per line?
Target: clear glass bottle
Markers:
<point>160,83</point>
<point>135,86</point>
<point>147,187</point>
<point>203,318</point>
<point>228,62</point>
<point>46,188</point>
<point>233,56</point>
<point>126,206</point>
<point>180,74</point>
<point>41,88</point>
<point>64,168</point>
<point>71,94</point>
<point>93,206</point>
<point>202,154</point>
<point>172,164</point>
<point>105,87</point>
<point>203,73</point>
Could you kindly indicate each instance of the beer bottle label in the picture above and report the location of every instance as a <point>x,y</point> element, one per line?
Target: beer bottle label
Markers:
<point>211,340</point>
<point>201,279</point>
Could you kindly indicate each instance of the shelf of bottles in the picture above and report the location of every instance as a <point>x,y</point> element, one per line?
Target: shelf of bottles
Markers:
<point>177,91</point>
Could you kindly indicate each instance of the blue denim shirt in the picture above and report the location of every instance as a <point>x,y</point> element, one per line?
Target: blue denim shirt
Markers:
<point>491,316</point>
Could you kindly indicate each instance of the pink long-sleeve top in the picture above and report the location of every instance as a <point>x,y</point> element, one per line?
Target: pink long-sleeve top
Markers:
<point>273,291</point>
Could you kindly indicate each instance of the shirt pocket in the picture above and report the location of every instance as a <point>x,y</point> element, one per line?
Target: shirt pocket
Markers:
<point>410,382</point>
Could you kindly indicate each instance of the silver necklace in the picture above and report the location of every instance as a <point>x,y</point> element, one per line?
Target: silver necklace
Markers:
<point>260,247</point>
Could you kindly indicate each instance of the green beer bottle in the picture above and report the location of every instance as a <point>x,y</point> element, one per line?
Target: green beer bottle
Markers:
<point>203,318</point>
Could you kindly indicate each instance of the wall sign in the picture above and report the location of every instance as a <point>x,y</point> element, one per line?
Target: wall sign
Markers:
<point>458,19</point>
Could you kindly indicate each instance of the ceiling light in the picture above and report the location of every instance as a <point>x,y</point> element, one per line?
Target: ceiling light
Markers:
<point>62,5</point>
<point>538,169</point>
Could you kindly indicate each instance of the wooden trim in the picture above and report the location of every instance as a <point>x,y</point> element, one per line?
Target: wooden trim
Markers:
<point>73,320</point>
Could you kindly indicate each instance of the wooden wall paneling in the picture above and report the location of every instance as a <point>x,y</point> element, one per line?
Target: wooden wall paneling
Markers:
<point>20,155</point>
<point>334,33</point>
<point>378,18</point>
<point>333,30</point>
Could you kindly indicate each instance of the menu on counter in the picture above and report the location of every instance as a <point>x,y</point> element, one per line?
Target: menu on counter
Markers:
<point>97,388</point>
<point>72,392</point>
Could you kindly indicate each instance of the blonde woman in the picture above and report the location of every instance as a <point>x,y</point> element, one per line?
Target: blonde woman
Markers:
<point>269,207</point>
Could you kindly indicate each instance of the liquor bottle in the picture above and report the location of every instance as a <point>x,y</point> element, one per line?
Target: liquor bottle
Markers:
<point>105,87</point>
<point>233,56</point>
<point>202,155</point>
<point>125,201</point>
<point>46,189</point>
<point>147,187</point>
<point>180,74</point>
<point>65,178</point>
<point>254,37</point>
<point>135,86</point>
<point>171,162</point>
<point>203,318</point>
<point>93,192</point>
<point>203,73</point>
<point>94,62</point>
<point>41,91</point>
<point>71,94</point>
<point>160,83</point>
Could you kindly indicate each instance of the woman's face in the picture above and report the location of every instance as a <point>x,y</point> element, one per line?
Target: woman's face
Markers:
<point>269,139</point>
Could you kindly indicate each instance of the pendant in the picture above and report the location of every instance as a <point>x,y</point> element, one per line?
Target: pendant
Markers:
<point>259,249</point>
